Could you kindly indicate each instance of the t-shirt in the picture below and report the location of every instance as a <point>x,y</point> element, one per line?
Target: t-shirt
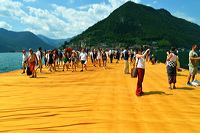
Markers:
<point>91,54</point>
<point>193,63</point>
<point>39,55</point>
<point>107,54</point>
<point>126,56</point>
<point>172,61</point>
<point>104,56</point>
<point>141,63</point>
<point>111,52</point>
<point>24,58</point>
<point>83,56</point>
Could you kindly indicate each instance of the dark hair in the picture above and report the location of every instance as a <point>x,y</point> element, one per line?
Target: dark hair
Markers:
<point>173,49</point>
<point>194,45</point>
<point>139,49</point>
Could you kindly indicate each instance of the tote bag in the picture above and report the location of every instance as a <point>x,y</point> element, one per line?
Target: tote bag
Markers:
<point>134,71</point>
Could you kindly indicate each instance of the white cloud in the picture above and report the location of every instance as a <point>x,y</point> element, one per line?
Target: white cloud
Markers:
<point>11,8</point>
<point>60,21</point>
<point>29,0</point>
<point>184,16</point>
<point>79,20</point>
<point>5,25</point>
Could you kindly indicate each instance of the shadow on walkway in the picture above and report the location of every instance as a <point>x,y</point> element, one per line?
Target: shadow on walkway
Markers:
<point>184,75</point>
<point>185,88</point>
<point>156,93</point>
<point>41,77</point>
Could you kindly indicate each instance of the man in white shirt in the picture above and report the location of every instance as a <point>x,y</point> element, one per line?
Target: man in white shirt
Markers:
<point>24,61</point>
<point>107,54</point>
<point>111,54</point>
<point>39,57</point>
<point>83,57</point>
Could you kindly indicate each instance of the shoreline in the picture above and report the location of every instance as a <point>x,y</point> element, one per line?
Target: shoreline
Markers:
<point>10,71</point>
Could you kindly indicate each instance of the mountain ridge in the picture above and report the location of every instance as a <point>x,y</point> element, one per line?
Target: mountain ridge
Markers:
<point>133,23</point>
<point>12,41</point>
<point>53,42</point>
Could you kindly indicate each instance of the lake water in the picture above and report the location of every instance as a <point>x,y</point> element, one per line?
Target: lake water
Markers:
<point>10,61</point>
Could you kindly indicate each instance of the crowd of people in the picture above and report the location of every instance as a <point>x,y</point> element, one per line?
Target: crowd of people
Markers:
<point>70,59</point>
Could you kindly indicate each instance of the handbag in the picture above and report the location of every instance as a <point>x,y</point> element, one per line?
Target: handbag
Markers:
<point>28,71</point>
<point>134,71</point>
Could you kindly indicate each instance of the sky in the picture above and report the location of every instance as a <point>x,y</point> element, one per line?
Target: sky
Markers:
<point>67,18</point>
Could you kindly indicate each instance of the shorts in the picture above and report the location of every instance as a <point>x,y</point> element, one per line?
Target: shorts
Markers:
<point>193,70</point>
<point>24,64</point>
<point>40,63</point>
<point>65,60</point>
<point>98,57</point>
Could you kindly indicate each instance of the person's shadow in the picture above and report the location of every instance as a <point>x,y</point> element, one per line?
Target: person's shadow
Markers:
<point>185,88</point>
<point>156,93</point>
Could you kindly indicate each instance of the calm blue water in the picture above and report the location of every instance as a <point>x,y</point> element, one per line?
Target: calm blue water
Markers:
<point>10,61</point>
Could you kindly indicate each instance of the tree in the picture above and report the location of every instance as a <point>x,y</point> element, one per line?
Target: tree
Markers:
<point>164,43</point>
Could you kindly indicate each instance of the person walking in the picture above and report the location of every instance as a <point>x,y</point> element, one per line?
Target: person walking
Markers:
<point>171,68</point>
<point>66,59</point>
<point>55,59</point>
<point>94,57</point>
<point>45,57</point>
<point>99,56</point>
<point>126,63</point>
<point>91,56</point>
<point>60,57</point>
<point>50,60</point>
<point>107,54</point>
<point>117,55</point>
<point>39,55</point>
<point>140,59</point>
<point>111,55</point>
<point>73,61</point>
<point>104,59</point>
<point>24,61</point>
<point>32,59</point>
<point>83,57</point>
<point>193,64</point>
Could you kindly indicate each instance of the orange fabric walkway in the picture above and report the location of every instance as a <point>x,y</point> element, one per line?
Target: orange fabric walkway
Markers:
<point>98,101</point>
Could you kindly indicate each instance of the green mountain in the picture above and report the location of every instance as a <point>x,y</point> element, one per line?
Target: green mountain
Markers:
<point>53,42</point>
<point>134,23</point>
<point>16,41</point>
